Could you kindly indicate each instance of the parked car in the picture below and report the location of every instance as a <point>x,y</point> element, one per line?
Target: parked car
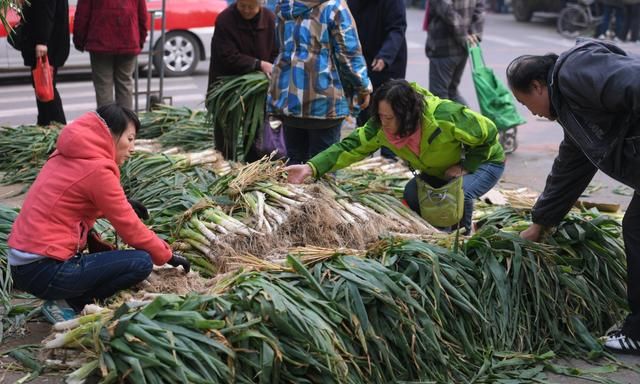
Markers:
<point>189,26</point>
<point>523,9</point>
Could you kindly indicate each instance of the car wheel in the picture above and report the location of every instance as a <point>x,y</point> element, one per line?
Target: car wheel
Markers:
<point>180,54</point>
<point>521,10</point>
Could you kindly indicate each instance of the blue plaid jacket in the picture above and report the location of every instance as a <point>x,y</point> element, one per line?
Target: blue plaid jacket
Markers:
<point>320,66</point>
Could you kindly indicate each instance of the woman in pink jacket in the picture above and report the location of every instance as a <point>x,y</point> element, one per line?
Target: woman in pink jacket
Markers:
<point>80,183</point>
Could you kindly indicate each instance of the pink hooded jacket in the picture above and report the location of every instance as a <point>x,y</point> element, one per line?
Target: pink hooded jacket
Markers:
<point>79,183</point>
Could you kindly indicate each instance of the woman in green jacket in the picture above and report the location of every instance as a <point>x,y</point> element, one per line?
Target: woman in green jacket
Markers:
<point>439,138</point>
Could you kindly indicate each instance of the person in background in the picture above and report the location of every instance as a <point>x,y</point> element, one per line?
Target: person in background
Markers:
<point>114,32</point>
<point>318,75</point>
<point>243,41</point>
<point>46,31</point>
<point>79,183</point>
<point>593,92</point>
<point>439,138</point>
<point>381,27</point>
<point>631,30</point>
<point>611,7</point>
<point>452,26</point>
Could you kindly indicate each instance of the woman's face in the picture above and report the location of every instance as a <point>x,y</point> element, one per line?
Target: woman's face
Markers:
<point>536,99</point>
<point>248,8</point>
<point>125,144</point>
<point>387,118</point>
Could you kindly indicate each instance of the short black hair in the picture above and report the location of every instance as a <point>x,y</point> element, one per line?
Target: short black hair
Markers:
<point>117,118</point>
<point>407,104</point>
<point>523,70</point>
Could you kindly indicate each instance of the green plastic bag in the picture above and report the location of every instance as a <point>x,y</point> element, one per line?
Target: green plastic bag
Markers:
<point>442,206</point>
<point>495,99</point>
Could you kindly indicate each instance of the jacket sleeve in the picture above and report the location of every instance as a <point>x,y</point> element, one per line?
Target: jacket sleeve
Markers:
<point>81,23</point>
<point>446,12</point>
<point>362,142</point>
<point>570,175</point>
<point>477,19</point>
<point>43,12</point>
<point>111,200</point>
<point>348,52</point>
<point>395,25</point>
<point>477,133</point>
<point>616,89</point>
<point>143,16</point>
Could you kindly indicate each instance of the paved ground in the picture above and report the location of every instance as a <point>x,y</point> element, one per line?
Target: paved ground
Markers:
<point>528,166</point>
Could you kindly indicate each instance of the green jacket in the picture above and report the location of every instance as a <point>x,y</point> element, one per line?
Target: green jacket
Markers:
<point>447,128</point>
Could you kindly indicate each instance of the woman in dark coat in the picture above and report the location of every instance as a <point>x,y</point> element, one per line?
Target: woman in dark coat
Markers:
<point>243,42</point>
<point>46,28</point>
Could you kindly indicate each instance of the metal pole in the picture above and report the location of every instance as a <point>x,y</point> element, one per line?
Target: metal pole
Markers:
<point>150,63</point>
<point>162,41</point>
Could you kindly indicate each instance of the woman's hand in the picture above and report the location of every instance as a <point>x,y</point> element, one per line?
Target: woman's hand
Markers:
<point>532,233</point>
<point>41,50</point>
<point>455,171</point>
<point>178,260</point>
<point>266,67</point>
<point>297,174</point>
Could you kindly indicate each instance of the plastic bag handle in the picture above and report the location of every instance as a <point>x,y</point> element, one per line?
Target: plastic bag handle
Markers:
<point>475,54</point>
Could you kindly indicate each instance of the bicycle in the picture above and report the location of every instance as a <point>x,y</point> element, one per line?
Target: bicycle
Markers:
<point>579,19</point>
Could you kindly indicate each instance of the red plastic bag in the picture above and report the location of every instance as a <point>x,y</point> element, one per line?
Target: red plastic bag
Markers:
<point>43,79</point>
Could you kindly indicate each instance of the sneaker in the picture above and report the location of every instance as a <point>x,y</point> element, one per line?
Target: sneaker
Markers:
<point>617,342</point>
<point>57,310</point>
<point>601,37</point>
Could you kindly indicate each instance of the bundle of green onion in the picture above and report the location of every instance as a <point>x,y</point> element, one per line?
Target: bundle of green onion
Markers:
<point>236,104</point>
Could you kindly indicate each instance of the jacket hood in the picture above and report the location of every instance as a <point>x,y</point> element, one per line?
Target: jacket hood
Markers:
<point>87,137</point>
<point>291,9</point>
<point>582,43</point>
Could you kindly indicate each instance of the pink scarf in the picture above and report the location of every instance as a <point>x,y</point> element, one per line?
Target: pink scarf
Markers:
<point>412,141</point>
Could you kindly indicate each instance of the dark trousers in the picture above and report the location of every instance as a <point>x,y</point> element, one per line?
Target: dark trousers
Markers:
<point>474,185</point>
<point>608,12</point>
<point>632,22</point>
<point>631,236</point>
<point>84,278</point>
<point>50,111</point>
<point>304,143</point>
<point>445,74</point>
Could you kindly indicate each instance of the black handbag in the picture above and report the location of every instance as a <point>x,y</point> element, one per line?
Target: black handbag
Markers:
<point>16,36</point>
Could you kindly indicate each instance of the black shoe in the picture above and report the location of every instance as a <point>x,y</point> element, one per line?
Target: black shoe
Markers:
<point>618,342</point>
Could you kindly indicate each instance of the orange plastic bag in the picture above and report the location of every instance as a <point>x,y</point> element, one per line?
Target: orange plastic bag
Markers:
<point>43,79</point>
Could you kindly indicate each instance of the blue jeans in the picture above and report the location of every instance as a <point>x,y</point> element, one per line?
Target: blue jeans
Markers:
<point>303,144</point>
<point>474,185</point>
<point>84,278</point>
<point>606,19</point>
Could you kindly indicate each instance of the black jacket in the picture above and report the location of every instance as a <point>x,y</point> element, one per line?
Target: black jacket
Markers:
<point>595,91</point>
<point>46,22</point>
<point>381,28</point>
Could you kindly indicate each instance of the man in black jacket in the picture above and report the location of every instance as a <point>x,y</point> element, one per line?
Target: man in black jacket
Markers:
<point>46,29</point>
<point>593,92</point>
<point>381,29</point>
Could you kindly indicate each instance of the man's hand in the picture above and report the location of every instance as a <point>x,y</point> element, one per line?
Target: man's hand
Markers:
<point>296,174</point>
<point>139,208</point>
<point>532,233</point>
<point>177,260</point>
<point>41,50</point>
<point>377,65</point>
<point>266,67</point>
<point>455,171</point>
<point>96,244</point>
<point>473,39</point>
